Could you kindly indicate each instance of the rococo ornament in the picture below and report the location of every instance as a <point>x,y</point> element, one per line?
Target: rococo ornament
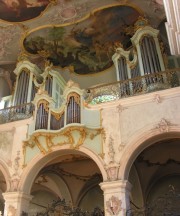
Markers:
<point>114,205</point>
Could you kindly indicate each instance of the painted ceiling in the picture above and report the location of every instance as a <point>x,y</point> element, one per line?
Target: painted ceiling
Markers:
<point>78,33</point>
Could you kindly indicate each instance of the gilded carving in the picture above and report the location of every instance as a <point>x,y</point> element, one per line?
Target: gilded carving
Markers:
<point>113,205</point>
<point>75,96</point>
<point>57,116</point>
<point>45,103</point>
<point>92,135</point>
<point>73,136</point>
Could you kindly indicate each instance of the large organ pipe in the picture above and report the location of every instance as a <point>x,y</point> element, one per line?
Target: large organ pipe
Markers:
<point>73,109</point>
<point>42,116</point>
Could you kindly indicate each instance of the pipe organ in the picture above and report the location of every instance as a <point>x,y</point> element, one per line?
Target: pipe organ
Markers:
<point>143,58</point>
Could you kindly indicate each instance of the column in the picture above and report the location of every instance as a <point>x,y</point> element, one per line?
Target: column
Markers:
<point>16,203</point>
<point>116,197</point>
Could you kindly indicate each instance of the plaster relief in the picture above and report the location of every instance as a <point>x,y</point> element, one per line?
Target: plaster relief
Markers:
<point>157,98</point>
<point>120,108</point>
<point>112,171</point>
<point>121,147</point>
<point>111,152</point>
<point>163,125</point>
<point>11,211</point>
<point>15,177</point>
<point>112,167</point>
<point>71,137</point>
<point>113,205</point>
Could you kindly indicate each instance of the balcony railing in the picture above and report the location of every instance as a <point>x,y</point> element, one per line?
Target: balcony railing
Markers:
<point>16,113</point>
<point>131,87</point>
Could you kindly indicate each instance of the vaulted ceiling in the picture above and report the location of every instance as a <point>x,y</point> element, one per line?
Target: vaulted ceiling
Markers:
<point>76,33</point>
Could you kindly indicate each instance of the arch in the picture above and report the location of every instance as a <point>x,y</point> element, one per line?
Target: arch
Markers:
<point>5,171</point>
<point>33,168</point>
<point>140,142</point>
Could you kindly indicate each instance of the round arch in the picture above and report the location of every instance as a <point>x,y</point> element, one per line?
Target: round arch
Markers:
<point>138,144</point>
<point>33,168</point>
<point>5,171</point>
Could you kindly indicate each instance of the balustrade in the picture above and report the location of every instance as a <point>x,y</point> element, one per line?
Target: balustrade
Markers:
<point>135,86</point>
<point>16,113</point>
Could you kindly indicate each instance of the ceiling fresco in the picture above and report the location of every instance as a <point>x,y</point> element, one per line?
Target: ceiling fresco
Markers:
<point>87,45</point>
<point>21,10</point>
<point>85,27</point>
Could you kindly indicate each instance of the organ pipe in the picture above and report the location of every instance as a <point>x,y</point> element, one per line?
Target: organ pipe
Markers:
<point>22,88</point>
<point>150,58</point>
<point>42,115</point>
<point>73,109</point>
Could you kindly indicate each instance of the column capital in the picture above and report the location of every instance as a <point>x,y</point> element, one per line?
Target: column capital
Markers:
<point>118,185</point>
<point>16,195</point>
<point>16,203</point>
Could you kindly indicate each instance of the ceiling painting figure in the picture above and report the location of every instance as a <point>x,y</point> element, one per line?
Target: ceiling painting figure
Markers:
<point>87,45</point>
<point>21,10</point>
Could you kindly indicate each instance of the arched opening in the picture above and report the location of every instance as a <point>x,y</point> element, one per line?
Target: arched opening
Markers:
<point>67,178</point>
<point>155,179</point>
<point>3,188</point>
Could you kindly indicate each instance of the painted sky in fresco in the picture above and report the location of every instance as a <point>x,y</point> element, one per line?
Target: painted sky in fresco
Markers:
<point>88,45</point>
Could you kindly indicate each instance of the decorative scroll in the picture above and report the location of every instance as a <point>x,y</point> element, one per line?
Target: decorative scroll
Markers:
<point>57,120</point>
<point>22,87</point>
<point>73,108</point>
<point>73,136</point>
<point>42,115</point>
<point>114,205</point>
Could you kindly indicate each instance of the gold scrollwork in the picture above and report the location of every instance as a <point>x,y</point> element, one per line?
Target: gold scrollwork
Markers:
<point>76,97</point>
<point>45,104</point>
<point>26,70</point>
<point>66,136</point>
<point>57,116</point>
